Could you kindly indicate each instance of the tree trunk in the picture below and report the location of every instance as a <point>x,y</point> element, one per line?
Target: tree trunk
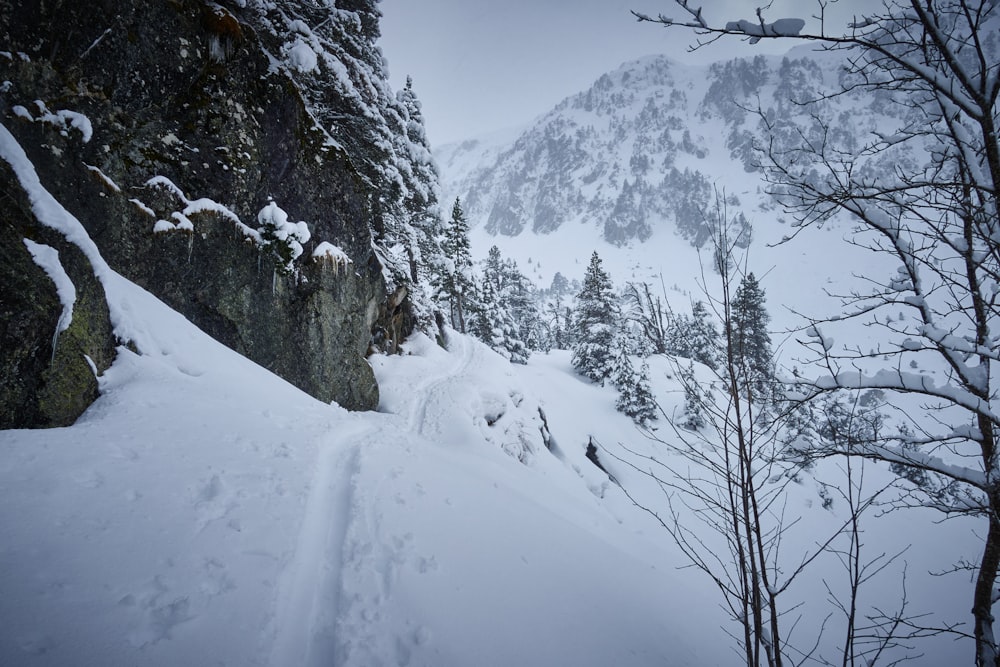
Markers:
<point>982,608</point>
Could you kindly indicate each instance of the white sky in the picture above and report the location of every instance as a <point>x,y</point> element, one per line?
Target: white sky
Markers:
<point>485,65</point>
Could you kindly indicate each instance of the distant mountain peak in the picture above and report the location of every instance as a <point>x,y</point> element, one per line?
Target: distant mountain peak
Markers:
<point>647,149</point>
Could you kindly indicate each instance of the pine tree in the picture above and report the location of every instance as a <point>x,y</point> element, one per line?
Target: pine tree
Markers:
<point>414,160</point>
<point>416,220</point>
<point>519,296</point>
<point>645,407</point>
<point>695,337</point>
<point>558,319</point>
<point>481,318</point>
<point>694,400</point>
<point>594,323</point>
<point>750,340</point>
<point>504,314</point>
<point>457,282</point>
<point>554,323</point>
<point>635,398</point>
<point>704,336</point>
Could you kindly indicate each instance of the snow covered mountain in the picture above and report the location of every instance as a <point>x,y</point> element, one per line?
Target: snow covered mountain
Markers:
<point>642,152</point>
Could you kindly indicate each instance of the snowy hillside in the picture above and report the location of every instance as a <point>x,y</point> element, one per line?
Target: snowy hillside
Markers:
<point>204,511</point>
<point>632,168</point>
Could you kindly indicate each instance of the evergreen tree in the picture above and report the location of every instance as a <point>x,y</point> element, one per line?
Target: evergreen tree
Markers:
<point>694,400</point>
<point>416,221</point>
<point>504,315</point>
<point>480,313</point>
<point>704,337</point>
<point>569,334</point>
<point>519,296</point>
<point>414,161</point>
<point>560,285</point>
<point>635,398</point>
<point>594,323</point>
<point>644,407</point>
<point>457,282</point>
<point>750,340</point>
<point>558,317</point>
<point>695,337</point>
<point>554,323</point>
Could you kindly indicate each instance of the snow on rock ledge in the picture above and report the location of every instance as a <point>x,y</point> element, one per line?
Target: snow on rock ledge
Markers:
<point>335,255</point>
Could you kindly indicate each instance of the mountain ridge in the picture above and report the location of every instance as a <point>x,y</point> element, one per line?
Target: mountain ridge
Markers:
<point>648,147</point>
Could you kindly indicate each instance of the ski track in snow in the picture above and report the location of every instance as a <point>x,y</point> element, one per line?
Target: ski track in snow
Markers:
<point>310,589</point>
<point>331,607</point>
<point>367,632</point>
<point>433,387</point>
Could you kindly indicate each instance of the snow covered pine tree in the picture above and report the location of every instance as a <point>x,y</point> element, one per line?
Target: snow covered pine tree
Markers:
<point>635,397</point>
<point>501,316</point>
<point>751,342</point>
<point>595,322</point>
<point>457,281</point>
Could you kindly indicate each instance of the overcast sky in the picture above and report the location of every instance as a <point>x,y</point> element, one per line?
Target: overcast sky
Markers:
<point>485,65</point>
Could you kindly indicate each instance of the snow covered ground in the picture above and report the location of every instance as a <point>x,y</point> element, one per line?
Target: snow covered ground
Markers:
<point>203,511</point>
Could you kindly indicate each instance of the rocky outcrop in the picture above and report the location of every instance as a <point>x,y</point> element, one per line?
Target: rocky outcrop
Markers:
<point>48,372</point>
<point>167,128</point>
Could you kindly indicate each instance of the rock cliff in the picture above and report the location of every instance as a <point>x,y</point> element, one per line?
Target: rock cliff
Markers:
<point>189,139</point>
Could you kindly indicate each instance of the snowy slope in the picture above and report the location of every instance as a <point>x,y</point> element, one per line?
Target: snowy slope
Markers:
<point>555,160</point>
<point>203,511</point>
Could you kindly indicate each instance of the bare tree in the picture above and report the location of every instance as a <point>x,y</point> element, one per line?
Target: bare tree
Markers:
<point>731,481</point>
<point>936,215</point>
<point>651,315</point>
<point>727,504</point>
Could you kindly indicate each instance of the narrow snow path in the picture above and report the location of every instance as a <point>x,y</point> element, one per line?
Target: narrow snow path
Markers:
<point>309,585</point>
<point>430,389</point>
<point>332,593</point>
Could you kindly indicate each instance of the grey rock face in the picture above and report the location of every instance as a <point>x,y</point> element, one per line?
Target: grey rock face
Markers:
<point>194,131</point>
<point>46,378</point>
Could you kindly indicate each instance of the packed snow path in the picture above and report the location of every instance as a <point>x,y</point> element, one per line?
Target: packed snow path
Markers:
<point>309,589</point>
<point>431,398</point>
<point>342,572</point>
